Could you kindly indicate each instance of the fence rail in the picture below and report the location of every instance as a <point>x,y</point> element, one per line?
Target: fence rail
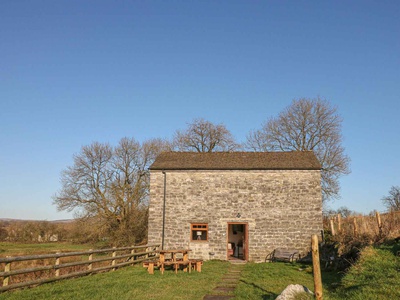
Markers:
<point>52,263</point>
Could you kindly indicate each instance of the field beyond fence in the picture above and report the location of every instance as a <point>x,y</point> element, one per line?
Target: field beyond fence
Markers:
<point>23,271</point>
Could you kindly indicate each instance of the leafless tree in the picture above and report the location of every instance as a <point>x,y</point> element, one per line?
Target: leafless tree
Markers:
<point>392,201</point>
<point>204,136</point>
<point>111,185</point>
<point>344,211</point>
<point>307,124</point>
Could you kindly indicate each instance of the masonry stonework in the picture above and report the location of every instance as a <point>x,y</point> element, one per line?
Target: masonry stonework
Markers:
<point>282,208</point>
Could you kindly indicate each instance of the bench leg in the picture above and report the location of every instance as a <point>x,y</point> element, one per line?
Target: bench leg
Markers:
<point>150,268</point>
<point>198,266</point>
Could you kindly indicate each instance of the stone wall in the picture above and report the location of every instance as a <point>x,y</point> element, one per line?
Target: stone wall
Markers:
<point>281,208</point>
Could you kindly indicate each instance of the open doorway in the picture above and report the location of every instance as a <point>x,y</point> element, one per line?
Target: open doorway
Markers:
<point>237,241</point>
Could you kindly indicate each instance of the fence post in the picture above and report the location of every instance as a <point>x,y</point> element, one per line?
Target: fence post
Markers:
<point>114,254</point>
<point>355,226</point>
<point>332,227</point>
<point>56,264</point>
<point>133,256</point>
<point>339,218</point>
<point>316,267</point>
<point>90,266</point>
<point>7,268</point>
<point>378,220</point>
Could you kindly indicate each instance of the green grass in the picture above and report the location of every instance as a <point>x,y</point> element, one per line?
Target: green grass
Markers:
<point>375,276</point>
<point>17,249</point>
<point>267,281</point>
<point>258,281</point>
<point>130,283</point>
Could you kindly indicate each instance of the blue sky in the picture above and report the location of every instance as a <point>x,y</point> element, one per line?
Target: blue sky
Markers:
<point>74,72</point>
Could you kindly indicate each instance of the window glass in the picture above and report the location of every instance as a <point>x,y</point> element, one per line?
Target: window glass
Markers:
<point>199,232</point>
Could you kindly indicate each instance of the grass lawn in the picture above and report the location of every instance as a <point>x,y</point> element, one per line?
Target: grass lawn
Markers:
<point>375,276</point>
<point>267,281</point>
<point>259,281</point>
<point>130,283</point>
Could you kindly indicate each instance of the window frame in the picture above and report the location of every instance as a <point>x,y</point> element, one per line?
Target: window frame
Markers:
<point>194,227</point>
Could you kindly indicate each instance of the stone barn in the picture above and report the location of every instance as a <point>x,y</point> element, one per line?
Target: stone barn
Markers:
<point>235,205</point>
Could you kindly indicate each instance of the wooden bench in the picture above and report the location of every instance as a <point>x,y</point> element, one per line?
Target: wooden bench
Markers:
<point>280,254</point>
<point>149,264</point>
<point>196,264</point>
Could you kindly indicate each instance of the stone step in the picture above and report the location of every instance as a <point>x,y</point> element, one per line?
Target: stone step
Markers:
<point>230,278</point>
<point>228,283</point>
<point>224,289</point>
<point>224,284</point>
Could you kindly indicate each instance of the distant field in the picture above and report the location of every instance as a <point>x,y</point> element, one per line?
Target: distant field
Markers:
<point>17,249</point>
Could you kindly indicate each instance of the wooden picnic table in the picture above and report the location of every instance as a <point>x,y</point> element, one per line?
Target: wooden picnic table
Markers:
<point>173,254</point>
<point>170,257</point>
<point>175,258</point>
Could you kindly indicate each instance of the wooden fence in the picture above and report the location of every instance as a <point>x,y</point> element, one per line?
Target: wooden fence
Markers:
<point>377,225</point>
<point>53,267</point>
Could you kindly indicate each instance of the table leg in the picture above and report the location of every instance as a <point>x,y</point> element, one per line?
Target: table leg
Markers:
<point>176,268</point>
<point>162,268</point>
<point>185,259</point>
<point>162,260</point>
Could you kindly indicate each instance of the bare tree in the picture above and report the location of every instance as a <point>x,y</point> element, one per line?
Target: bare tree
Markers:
<point>204,136</point>
<point>111,185</point>
<point>307,124</point>
<point>392,202</point>
<point>344,211</point>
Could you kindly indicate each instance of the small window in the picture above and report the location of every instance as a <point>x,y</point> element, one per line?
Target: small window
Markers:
<point>199,232</point>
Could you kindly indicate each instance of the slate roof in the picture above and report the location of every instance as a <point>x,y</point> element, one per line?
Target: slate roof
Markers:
<point>295,160</point>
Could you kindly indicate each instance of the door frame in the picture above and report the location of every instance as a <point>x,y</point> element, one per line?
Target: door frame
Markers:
<point>245,239</point>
